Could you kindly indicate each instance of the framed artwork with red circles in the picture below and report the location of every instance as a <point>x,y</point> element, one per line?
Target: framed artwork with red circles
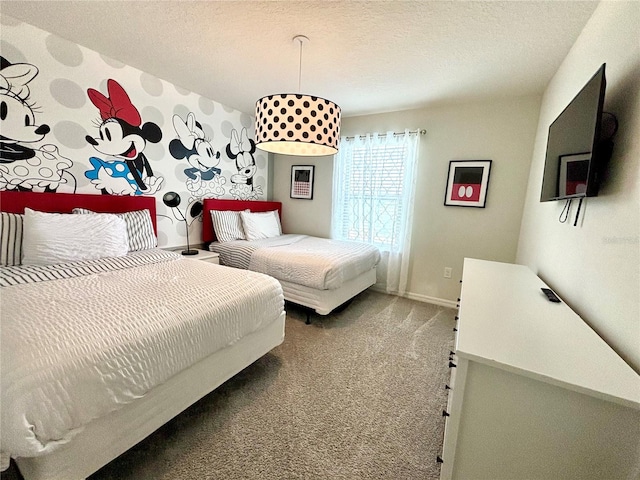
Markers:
<point>302,181</point>
<point>467,183</point>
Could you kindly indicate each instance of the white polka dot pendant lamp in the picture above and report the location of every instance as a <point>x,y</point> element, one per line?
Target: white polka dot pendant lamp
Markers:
<point>297,124</point>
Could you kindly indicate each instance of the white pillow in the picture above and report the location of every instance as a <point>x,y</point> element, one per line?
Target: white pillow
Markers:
<point>50,238</point>
<point>227,225</point>
<point>259,225</point>
<point>139,228</point>
<point>10,239</point>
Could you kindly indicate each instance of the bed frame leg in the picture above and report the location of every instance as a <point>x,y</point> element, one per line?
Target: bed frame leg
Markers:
<point>308,321</point>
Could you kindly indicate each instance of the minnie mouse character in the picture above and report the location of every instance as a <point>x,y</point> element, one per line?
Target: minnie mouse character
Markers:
<point>18,120</point>
<point>193,146</point>
<point>24,167</point>
<point>241,148</point>
<point>122,137</point>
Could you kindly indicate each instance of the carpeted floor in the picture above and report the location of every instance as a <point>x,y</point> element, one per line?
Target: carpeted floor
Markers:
<point>358,394</point>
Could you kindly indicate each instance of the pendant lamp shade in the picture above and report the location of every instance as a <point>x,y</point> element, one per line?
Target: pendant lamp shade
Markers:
<point>296,124</point>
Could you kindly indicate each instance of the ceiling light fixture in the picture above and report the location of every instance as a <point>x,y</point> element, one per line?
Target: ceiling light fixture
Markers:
<point>296,124</point>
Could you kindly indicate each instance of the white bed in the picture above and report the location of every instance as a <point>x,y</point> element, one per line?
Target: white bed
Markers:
<point>318,273</point>
<point>98,354</point>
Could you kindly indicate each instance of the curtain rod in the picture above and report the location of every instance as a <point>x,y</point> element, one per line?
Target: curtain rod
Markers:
<point>421,131</point>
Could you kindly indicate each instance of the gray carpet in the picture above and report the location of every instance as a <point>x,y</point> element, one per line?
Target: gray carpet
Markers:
<point>358,394</point>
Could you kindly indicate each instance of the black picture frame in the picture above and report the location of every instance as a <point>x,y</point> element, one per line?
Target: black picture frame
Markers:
<point>302,177</point>
<point>467,183</point>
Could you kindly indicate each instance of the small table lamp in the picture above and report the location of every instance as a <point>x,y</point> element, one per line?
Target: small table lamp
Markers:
<point>172,200</point>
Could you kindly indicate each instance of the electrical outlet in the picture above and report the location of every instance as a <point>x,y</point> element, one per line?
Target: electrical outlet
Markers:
<point>447,272</point>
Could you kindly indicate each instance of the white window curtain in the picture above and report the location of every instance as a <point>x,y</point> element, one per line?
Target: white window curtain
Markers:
<point>374,181</point>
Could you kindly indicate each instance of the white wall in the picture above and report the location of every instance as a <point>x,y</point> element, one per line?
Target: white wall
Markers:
<point>311,217</point>
<point>595,266</point>
<point>499,130</point>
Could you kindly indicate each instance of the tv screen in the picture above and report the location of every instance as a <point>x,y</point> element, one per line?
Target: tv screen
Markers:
<point>574,154</point>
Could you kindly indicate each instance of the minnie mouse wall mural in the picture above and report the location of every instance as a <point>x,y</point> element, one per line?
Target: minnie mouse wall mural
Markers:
<point>23,166</point>
<point>123,137</point>
<point>203,175</point>
<point>241,149</point>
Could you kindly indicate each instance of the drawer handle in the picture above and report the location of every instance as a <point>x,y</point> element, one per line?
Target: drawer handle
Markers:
<point>445,413</point>
<point>452,365</point>
<point>439,459</point>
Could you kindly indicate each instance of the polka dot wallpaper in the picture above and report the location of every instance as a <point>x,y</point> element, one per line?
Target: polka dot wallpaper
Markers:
<point>77,121</point>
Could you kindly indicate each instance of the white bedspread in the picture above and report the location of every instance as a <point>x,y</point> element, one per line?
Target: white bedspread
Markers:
<point>314,262</point>
<point>77,348</point>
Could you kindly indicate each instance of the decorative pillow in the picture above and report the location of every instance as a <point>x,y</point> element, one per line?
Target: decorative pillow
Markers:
<point>139,228</point>
<point>10,239</point>
<point>50,238</point>
<point>227,225</point>
<point>259,225</point>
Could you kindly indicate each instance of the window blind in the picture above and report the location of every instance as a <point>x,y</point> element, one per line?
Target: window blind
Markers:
<point>372,210</point>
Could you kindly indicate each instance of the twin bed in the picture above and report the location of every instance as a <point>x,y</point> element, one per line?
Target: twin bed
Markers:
<point>317,273</point>
<point>98,352</point>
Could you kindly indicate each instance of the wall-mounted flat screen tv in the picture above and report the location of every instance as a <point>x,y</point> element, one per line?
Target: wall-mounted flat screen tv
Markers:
<point>575,153</point>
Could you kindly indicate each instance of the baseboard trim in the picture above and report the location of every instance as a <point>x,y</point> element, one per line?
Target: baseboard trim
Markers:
<point>434,300</point>
<point>422,298</point>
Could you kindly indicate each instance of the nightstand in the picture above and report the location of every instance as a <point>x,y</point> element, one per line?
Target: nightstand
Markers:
<point>205,256</point>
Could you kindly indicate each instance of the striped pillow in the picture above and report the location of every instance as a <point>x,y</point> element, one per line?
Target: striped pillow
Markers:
<point>139,228</point>
<point>11,239</point>
<point>227,225</point>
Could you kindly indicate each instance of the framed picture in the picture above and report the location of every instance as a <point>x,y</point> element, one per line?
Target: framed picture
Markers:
<point>302,181</point>
<point>467,183</point>
<point>574,174</point>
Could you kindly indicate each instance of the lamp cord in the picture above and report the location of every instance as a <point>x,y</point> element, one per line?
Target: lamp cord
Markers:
<point>564,215</point>
<point>300,66</point>
<point>575,223</point>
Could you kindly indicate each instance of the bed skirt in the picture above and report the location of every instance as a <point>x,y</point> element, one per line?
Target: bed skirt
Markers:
<point>324,301</point>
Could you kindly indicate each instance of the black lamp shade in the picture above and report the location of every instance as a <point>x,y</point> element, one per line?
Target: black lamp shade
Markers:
<point>171,199</point>
<point>196,209</point>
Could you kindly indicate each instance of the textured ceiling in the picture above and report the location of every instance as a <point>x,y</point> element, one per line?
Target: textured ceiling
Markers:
<point>368,57</point>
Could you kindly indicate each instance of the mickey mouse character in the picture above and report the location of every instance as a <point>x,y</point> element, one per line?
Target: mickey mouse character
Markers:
<point>122,137</point>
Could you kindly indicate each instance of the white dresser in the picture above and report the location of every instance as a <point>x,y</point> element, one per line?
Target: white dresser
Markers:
<point>536,393</point>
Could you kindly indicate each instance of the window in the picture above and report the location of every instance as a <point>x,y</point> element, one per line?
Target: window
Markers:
<point>374,179</point>
<point>372,206</point>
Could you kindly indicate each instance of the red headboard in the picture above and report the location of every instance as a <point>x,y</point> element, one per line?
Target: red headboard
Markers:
<point>234,205</point>
<point>15,202</point>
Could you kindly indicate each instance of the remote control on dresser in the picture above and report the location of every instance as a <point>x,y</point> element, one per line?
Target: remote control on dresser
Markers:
<point>550,295</point>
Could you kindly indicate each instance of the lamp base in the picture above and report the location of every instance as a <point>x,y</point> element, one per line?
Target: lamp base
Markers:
<point>189,252</point>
